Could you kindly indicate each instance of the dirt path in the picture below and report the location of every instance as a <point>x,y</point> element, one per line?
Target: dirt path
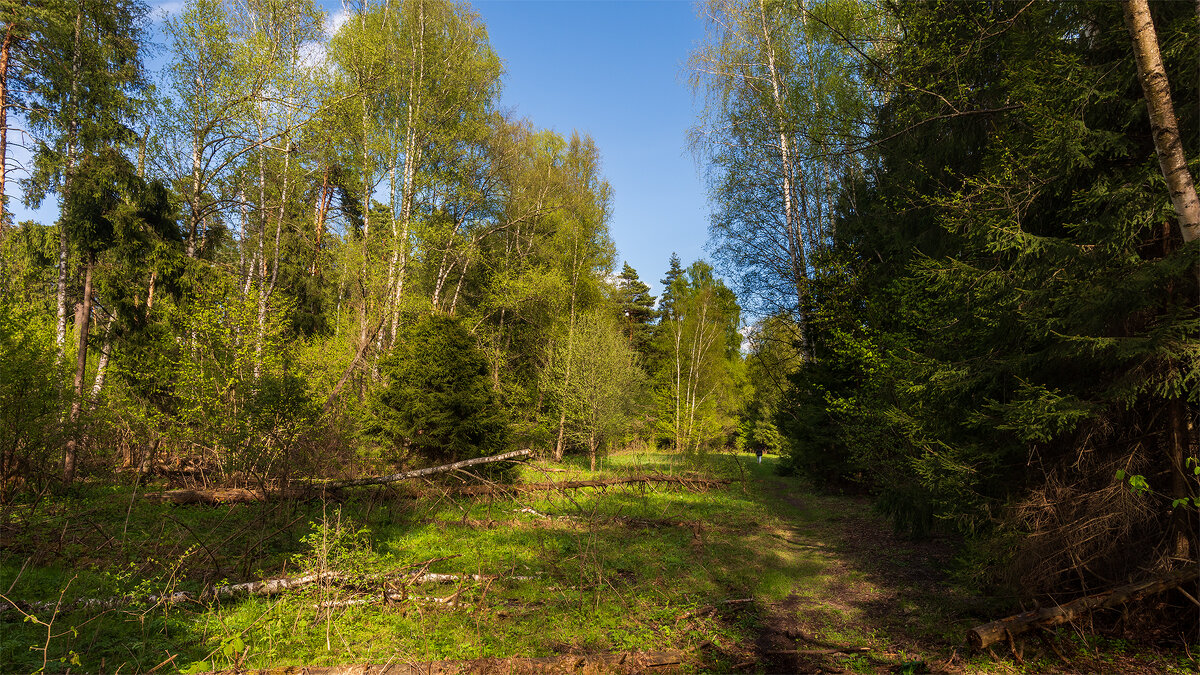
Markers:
<point>880,604</point>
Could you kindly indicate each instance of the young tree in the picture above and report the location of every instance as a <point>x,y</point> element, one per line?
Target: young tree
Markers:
<point>438,399</point>
<point>600,397</point>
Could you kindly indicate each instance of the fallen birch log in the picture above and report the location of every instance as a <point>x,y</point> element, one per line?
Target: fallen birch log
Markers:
<point>450,601</point>
<point>989,634</point>
<point>625,662</point>
<point>266,587</point>
<point>244,496</point>
<point>576,484</point>
<point>406,475</point>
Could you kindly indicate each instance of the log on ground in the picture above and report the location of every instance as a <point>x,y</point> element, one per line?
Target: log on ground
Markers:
<point>981,637</point>
<point>495,489</point>
<point>318,490</point>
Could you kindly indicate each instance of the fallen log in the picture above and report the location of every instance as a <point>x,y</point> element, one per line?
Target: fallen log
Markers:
<point>222,496</point>
<point>495,489</point>
<point>624,662</point>
<point>981,637</point>
<point>316,490</point>
<point>265,587</point>
<point>406,475</point>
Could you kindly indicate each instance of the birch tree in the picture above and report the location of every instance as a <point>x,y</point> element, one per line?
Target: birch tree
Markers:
<point>782,106</point>
<point>696,391</point>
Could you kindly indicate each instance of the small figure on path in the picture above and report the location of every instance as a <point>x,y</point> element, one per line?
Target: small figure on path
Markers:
<point>758,452</point>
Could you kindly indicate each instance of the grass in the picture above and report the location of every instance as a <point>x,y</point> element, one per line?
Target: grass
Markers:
<point>636,567</point>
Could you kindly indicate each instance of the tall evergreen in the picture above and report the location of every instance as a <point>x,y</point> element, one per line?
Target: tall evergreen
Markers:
<point>666,304</point>
<point>636,305</point>
<point>1008,316</point>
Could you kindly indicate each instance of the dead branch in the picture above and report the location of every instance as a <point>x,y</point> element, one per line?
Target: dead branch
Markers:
<point>337,388</point>
<point>709,609</point>
<point>984,636</point>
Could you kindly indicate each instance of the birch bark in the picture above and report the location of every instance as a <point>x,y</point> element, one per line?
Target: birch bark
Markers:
<point>1163,125</point>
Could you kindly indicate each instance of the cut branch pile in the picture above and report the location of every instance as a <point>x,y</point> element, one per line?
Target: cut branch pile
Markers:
<point>624,662</point>
<point>989,634</point>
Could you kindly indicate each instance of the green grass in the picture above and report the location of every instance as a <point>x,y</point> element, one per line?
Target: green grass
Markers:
<point>597,582</point>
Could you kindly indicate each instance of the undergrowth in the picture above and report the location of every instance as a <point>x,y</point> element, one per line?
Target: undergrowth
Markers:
<point>632,567</point>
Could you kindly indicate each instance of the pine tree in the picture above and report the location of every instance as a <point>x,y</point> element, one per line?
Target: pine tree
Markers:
<point>666,304</point>
<point>636,305</point>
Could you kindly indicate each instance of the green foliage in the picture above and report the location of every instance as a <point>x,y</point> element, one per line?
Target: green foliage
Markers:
<point>698,374</point>
<point>636,308</point>
<point>438,399</point>
<point>1006,292</point>
<point>221,378</point>
<point>29,396</point>
<point>598,384</point>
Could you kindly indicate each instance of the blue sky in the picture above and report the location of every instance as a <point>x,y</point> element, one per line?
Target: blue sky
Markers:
<point>613,69</point>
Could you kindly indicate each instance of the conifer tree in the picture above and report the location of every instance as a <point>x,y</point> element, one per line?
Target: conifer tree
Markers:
<point>636,307</point>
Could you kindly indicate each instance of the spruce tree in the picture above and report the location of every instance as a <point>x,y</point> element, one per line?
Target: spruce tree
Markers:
<point>438,401</point>
<point>1008,314</point>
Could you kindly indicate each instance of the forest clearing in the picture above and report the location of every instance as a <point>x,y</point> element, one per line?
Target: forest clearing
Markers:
<point>758,574</point>
<point>364,336</point>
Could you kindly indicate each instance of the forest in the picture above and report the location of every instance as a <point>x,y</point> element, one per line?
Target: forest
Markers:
<point>319,330</point>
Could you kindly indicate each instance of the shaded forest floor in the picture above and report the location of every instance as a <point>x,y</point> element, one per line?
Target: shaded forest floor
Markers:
<point>762,575</point>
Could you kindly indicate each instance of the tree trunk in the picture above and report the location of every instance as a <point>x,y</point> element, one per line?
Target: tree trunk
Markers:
<point>194,193</point>
<point>5,49</point>
<point>411,157</point>
<point>792,222</point>
<point>323,198</point>
<point>1163,125</point>
<point>69,455</point>
<point>60,329</point>
<point>988,634</point>
<point>1178,446</point>
<point>562,419</point>
<point>102,364</point>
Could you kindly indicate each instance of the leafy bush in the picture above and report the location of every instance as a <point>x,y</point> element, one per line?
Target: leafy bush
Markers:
<point>28,397</point>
